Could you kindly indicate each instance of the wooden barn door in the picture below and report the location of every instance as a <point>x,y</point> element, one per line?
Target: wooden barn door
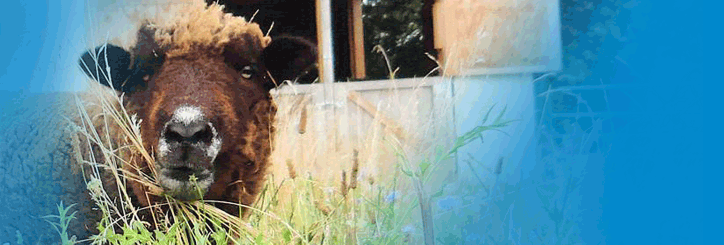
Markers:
<point>373,118</point>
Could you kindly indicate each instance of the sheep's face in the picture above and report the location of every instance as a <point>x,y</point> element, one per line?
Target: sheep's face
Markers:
<point>198,108</point>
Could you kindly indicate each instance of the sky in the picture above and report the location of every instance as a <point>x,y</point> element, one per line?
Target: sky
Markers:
<point>40,45</point>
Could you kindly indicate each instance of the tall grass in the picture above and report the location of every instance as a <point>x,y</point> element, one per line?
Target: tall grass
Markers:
<point>62,223</point>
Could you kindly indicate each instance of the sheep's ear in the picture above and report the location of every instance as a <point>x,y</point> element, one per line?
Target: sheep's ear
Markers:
<point>118,60</point>
<point>287,57</point>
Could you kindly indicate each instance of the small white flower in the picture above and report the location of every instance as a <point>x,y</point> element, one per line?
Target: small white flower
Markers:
<point>329,190</point>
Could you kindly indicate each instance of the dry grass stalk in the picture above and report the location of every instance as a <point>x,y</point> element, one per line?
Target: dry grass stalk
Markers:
<point>499,166</point>
<point>303,120</point>
<point>344,187</point>
<point>371,216</point>
<point>290,168</point>
<point>390,124</point>
<point>355,169</point>
<point>322,207</point>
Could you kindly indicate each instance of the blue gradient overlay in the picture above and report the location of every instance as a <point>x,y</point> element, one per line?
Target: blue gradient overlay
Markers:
<point>646,190</point>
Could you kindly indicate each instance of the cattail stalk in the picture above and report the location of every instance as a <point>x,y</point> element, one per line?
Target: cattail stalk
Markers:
<point>355,169</point>
<point>291,170</point>
<point>344,186</point>
<point>499,166</point>
<point>303,121</point>
<point>322,208</point>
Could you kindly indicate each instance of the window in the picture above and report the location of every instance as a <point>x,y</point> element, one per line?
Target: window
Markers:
<point>403,29</point>
<point>485,33</point>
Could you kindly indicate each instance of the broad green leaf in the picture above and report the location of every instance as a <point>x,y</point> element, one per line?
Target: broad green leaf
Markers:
<point>287,235</point>
<point>424,164</point>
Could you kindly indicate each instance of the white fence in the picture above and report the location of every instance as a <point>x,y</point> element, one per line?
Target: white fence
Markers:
<point>381,118</point>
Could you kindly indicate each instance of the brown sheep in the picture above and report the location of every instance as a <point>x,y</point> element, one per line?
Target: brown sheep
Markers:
<point>200,84</point>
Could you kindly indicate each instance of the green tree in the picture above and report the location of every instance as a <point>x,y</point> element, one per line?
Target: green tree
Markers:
<point>395,25</point>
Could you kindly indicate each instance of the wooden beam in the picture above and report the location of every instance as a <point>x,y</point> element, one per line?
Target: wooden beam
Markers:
<point>325,57</point>
<point>370,108</point>
<point>356,39</point>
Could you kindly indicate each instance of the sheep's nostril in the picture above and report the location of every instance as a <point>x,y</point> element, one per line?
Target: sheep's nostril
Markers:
<point>204,135</point>
<point>173,136</point>
<point>195,132</point>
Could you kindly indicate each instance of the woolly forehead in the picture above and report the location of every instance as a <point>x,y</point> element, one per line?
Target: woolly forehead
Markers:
<point>206,27</point>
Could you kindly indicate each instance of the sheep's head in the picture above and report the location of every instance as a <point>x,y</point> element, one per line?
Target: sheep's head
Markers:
<point>203,97</point>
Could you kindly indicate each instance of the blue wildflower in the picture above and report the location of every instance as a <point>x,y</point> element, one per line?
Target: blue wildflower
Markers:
<point>447,203</point>
<point>408,229</point>
<point>391,197</point>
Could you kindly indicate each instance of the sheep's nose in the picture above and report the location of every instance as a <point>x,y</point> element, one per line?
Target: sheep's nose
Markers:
<point>188,125</point>
<point>196,132</point>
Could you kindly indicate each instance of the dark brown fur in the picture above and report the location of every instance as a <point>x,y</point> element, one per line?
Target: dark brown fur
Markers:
<point>242,108</point>
<point>167,73</point>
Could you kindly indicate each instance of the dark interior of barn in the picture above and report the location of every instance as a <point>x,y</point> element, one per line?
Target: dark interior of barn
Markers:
<point>298,18</point>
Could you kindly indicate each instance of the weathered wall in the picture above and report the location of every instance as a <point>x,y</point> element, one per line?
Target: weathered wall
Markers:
<point>376,118</point>
<point>514,144</point>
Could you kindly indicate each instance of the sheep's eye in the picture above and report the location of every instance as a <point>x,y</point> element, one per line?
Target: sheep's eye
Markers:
<point>247,72</point>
